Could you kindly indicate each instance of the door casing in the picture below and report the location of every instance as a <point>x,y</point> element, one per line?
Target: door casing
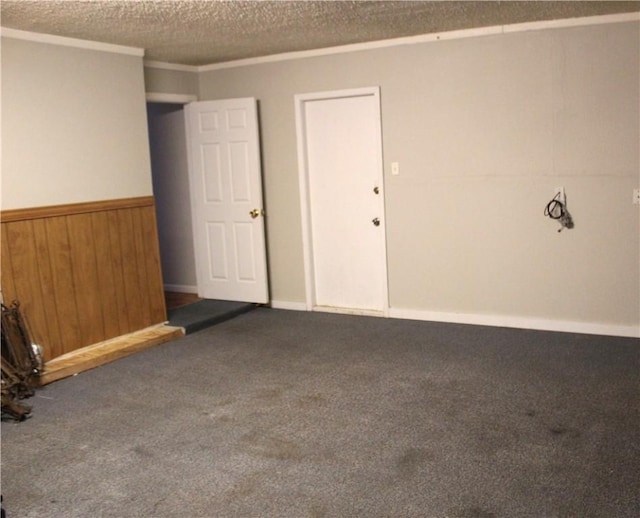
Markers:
<point>305,198</point>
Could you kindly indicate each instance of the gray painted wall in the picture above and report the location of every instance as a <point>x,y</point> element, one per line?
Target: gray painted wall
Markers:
<point>484,130</point>
<point>161,80</point>
<point>73,125</point>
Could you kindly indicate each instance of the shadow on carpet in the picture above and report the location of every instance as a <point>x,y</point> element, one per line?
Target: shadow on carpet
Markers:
<point>206,313</point>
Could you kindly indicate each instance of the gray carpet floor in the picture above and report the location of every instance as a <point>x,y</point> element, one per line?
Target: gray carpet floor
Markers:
<point>293,414</point>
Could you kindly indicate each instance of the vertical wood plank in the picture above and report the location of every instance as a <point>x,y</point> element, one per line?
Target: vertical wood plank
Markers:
<point>26,276</point>
<point>153,267</point>
<point>104,265</point>
<point>65,297</point>
<point>140,253</point>
<point>130,269</point>
<point>86,283</point>
<point>115,250</point>
<point>6,268</point>
<point>52,342</point>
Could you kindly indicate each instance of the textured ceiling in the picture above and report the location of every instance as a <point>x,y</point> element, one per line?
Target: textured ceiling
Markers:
<point>200,32</point>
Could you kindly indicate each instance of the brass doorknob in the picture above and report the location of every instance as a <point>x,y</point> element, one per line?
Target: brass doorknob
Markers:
<point>255,213</point>
<point>376,222</point>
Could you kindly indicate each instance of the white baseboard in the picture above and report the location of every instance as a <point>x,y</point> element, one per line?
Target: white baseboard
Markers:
<point>539,324</point>
<point>350,311</point>
<point>181,288</point>
<point>293,306</point>
<point>564,326</point>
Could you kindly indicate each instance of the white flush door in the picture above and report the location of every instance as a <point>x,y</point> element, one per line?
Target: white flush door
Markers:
<point>226,199</point>
<point>340,153</point>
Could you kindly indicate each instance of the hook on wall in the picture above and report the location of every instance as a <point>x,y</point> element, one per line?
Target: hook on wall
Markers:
<point>557,209</point>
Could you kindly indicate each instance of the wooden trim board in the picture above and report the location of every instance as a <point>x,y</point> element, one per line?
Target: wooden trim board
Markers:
<point>71,209</point>
<point>101,353</point>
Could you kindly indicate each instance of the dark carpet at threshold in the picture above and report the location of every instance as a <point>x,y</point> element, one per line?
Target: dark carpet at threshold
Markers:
<point>294,414</point>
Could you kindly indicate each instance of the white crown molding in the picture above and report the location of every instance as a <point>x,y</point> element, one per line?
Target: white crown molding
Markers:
<point>427,38</point>
<point>355,47</point>
<point>170,66</point>
<point>573,22</point>
<point>410,40</point>
<point>159,97</point>
<point>50,39</point>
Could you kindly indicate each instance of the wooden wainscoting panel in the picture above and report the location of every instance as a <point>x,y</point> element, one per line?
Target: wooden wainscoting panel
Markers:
<point>8,285</point>
<point>141,272</point>
<point>26,277</point>
<point>83,273</point>
<point>132,292</point>
<point>104,266</point>
<point>67,312</point>
<point>153,267</point>
<point>85,278</point>
<point>115,256</point>
<point>47,292</point>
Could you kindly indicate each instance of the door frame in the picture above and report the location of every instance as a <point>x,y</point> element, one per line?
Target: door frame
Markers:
<point>183,99</point>
<point>159,97</point>
<point>305,194</point>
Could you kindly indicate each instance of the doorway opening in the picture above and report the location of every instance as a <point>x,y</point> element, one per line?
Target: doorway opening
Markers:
<point>168,143</point>
<point>170,180</point>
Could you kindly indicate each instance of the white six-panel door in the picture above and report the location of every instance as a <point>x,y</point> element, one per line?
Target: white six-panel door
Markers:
<point>226,199</point>
<point>340,157</point>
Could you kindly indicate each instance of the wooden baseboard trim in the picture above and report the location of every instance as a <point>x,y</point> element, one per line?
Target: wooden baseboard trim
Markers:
<point>101,353</point>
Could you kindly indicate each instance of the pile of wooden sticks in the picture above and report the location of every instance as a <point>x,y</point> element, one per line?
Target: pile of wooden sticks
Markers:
<point>21,363</point>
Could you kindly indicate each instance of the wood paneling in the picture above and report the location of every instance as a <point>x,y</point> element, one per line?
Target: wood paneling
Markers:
<point>67,315</point>
<point>43,259</point>
<point>83,273</point>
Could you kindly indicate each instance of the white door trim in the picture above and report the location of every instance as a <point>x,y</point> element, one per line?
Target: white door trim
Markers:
<point>303,177</point>
<point>159,97</point>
